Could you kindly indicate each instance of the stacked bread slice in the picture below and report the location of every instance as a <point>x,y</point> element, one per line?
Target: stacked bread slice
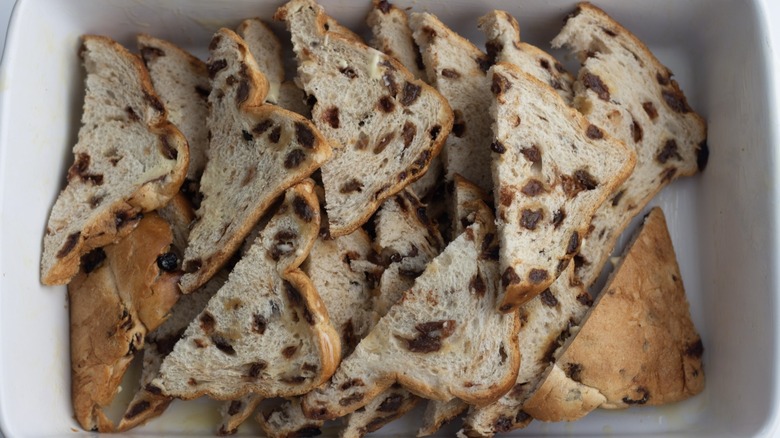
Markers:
<point>332,262</point>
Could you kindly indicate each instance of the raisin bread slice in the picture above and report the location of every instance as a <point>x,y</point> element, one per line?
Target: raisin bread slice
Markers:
<point>548,320</point>
<point>149,402</point>
<point>407,241</point>
<point>391,34</point>
<point>256,152</point>
<point>110,187</point>
<point>552,169</point>
<point>266,330</point>
<point>444,339</point>
<point>458,70</point>
<point>117,297</point>
<point>504,45</point>
<point>623,88</point>
<point>388,406</point>
<point>438,413</point>
<point>385,125</point>
<point>235,412</point>
<point>182,82</point>
<point>652,354</point>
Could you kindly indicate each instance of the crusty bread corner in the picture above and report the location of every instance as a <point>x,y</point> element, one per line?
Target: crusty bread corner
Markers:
<point>266,331</point>
<point>385,125</point>
<point>256,152</point>
<point>636,346</point>
<point>552,169</point>
<point>110,188</point>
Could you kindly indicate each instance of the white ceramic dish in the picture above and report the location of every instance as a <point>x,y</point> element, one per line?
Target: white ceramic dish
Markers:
<point>723,222</point>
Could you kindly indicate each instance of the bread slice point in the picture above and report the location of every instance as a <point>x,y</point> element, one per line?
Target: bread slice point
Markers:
<point>443,340</point>
<point>266,330</point>
<point>385,125</point>
<point>504,45</point>
<point>256,151</point>
<point>110,187</point>
<point>637,346</point>
<point>552,168</point>
<point>623,88</point>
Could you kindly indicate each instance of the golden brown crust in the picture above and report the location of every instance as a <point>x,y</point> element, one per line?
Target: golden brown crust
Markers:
<point>651,338</point>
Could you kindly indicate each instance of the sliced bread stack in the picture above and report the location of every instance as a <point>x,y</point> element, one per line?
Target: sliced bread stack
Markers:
<point>109,188</point>
<point>255,152</point>
<point>384,124</point>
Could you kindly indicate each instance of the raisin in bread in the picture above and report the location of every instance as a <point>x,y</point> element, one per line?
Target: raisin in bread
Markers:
<point>623,88</point>
<point>117,297</point>
<point>548,321</point>
<point>256,152</point>
<point>385,125</point>
<point>110,187</point>
<point>444,339</point>
<point>636,346</point>
<point>407,240</point>
<point>552,168</point>
<point>458,70</point>
<point>266,330</point>
<point>391,34</point>
<point>182,82</point>
<point>504,45</point>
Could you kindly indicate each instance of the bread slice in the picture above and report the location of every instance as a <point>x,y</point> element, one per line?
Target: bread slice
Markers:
<point>235,412</point>
<point>266,330</point>
<point>109,187</point>
<point>636,346</point>
<point>548,321</point>
<point>504,45</point>
<point>149,402</point>
<point>255,153</point>
<point>288,420</point>
<point>118,296</point>
<point>624,89</point>
<point>552,169</point>
<point>407,241</point>
<point>464,193</point>
<point>442,340</point>
<point>438,413</point>
<point>391,34</point>
<point>385,125</point>
<point>182,82</point>
<point>458,70</point>
<point>383,409</point>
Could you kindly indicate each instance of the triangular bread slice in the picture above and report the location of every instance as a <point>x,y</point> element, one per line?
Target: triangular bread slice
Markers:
<point>548,321</point>
<point>407,240</point>
<point>438,413</point>
<point>109,187</point>
<point>182,82</point>
<point>504,45</point>
<point>457,68</point>
<point>344,275</point>
<point>266,330</point>
<point>255,152</point>
<point>149,402</point>
<point>636,346</point>
<point>387,407</point>
<point>235,412</point>
<point>391,34</point>
<point>385,125</point>
<point>118,296</point>
<point>623,88</point>
<point>552,168</point>
<point>444,339</point>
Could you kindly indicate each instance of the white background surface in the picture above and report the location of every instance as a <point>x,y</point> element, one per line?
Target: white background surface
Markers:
<point>5,15</point>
